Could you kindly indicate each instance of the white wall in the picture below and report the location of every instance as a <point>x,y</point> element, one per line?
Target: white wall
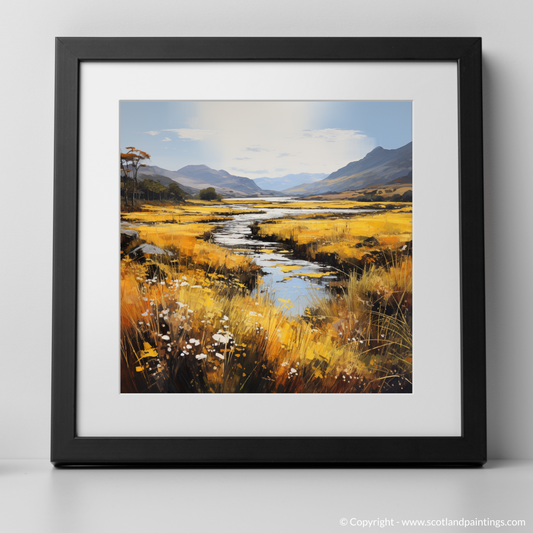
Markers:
<point>26,138</point>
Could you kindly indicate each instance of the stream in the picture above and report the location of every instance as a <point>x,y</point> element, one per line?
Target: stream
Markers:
<point>294,293</point>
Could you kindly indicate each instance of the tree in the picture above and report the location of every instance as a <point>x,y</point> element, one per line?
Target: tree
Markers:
<point>175,191</point>
<point>159,189</point>
<point>147,186</point>
<point>151,189</point>
<point>130,162</point>
<point>209,194</point>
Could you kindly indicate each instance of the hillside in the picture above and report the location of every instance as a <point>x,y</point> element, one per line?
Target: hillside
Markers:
<point>192,178</point>
<point>380,166</point>
<point>396,191</point>
<point>166,181</point>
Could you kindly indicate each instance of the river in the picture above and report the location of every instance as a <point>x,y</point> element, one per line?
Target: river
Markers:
<point>294,293</point>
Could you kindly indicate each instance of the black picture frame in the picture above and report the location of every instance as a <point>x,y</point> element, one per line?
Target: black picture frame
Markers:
<point>68,449</point>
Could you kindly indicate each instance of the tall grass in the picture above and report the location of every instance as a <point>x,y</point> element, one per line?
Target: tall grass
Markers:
<point>191,324</point>
<point>194,331</point>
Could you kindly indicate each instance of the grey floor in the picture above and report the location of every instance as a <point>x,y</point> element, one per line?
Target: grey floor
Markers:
<point>35,497</point>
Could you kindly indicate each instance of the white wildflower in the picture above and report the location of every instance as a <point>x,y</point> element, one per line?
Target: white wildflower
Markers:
<point>223,339</point>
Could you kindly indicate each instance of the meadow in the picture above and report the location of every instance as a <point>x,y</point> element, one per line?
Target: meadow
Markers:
<point>193,319</point>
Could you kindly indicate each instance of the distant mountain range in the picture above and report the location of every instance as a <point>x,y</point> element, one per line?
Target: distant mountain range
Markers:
<point>380,166</point>
<point>288,181</point>
<point>192,178</point>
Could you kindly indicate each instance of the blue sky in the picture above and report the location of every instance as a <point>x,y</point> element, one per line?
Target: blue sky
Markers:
<point>263,139</point>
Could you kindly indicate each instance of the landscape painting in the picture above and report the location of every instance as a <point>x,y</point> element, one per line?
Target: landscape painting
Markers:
<point>266,247</point>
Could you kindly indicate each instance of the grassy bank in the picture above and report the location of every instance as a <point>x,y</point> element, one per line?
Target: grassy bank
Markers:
<point>345,242</point>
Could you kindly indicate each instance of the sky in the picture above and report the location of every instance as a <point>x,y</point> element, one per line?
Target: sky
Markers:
<point>263,139</point>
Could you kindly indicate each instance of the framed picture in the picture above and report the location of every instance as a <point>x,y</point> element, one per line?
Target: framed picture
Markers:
<point>268,251</point>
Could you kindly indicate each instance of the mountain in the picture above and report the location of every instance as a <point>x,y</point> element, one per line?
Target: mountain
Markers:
<point>147,172</point>
<point>196,177</point>
<point>380,166</point>
<point>290,180</point>
<point>225,183</point>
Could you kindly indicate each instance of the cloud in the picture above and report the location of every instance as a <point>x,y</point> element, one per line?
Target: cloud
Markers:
<point>256,149</point>
<point>166,139</point>
<point>265,132</point>
<point>281,169</point>
<point>192,134</point>
<point>153,132</point>
<point>334,134</point>
<point>243,170</point>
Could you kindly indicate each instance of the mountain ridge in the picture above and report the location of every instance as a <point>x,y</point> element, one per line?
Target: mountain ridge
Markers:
<point>197,177</point>
<point>380,165</point>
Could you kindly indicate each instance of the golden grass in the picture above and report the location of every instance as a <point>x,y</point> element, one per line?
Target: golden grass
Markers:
<point>224,340</point>
<point>184,241</point>
<point>287,268</point>
<point>342,238</point>
<point>192,212</point>
<point>191,324</point>
<point>314,274</point>
<point>395,226</point>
